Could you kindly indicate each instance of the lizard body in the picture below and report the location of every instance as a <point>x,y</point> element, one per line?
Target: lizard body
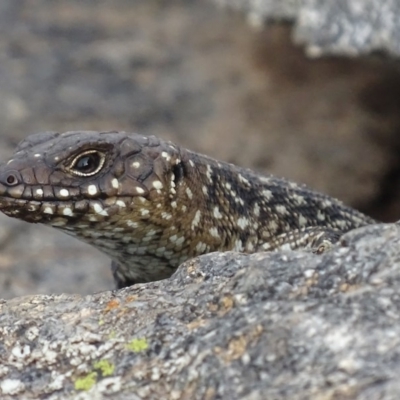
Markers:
<point>151,205</point>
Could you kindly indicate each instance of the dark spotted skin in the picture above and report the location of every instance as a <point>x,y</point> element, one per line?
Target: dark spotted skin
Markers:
<point>151,205</point>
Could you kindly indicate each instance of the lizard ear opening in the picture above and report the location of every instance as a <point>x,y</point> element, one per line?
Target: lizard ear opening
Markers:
<point>179,172</point>
<point>87,163</point>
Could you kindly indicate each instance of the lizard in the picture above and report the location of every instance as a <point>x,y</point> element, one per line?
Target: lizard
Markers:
<point>150,204</point>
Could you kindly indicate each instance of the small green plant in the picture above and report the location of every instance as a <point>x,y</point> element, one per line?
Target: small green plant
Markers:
<point>105,367</point>
<point>137,345</point>
<point>86,382</point>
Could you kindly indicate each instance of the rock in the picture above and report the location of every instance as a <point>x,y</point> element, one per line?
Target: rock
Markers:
<point>285,325</point>
<point>345,27</point>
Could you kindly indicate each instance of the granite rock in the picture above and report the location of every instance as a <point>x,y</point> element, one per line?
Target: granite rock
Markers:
<point>284,325</point>
<point>343,27</point>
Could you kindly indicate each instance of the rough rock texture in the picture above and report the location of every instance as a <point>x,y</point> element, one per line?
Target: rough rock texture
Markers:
<point>345,27</point>
<point>286,325</point>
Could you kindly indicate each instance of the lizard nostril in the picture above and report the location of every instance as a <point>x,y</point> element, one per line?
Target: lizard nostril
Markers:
<point>12,179</point>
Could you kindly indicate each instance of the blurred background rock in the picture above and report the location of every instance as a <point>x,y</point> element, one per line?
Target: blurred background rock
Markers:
<point>239,80</point>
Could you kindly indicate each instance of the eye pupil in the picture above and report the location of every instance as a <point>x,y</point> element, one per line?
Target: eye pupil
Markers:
<point>88,163</point>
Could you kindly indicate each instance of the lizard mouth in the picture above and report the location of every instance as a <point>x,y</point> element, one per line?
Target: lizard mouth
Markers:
<point>46,211</point>
<point>33,205</point>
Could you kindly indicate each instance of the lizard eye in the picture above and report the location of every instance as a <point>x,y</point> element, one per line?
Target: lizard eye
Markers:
<point>87,163</point>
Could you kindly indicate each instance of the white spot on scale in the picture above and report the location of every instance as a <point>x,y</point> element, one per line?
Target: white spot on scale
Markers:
<point>238,246</point>
<point>189,193</point>
<point>173,180</point>
<point>180,241</point>
<point>173,204</point>
<point>285,246</point>
<point>165,155</point>
<point>204,189</point>
<point>320,216</point>
<point>144,211</point>
<point>37,155</point>
<point>341,224</point>
<point>302,221</point>
<point>64,193</point>
<point>157,185</point>
<point>281,209</point>
<point>196,219</point>
<point>120,203</point>
<point>92,190</point>
<point>166,215</point>
<point>48,210</point>
<point>265,179</point>
<point>39,192</point>
<point>238,199</point>
<point>67,211</point>
<point>98,209</point>
<point>217,213</point>
<point>256,210</point>
<point>132,224</point>
<point>243,179</point>
<point>242,222</point>
<point>136,164</point>
<point>191,163</point>
<point>326,203</point>
<point>266,246</point>
<point>214,232</point>
<point>249,247</point>
<point>209,172</point>
<point>115,183</point>
<point>184,208</point>
<point>272,225</point>
<point>267,194</point>
<point>201,247</point>
<point>293,185</point>
<point>299,199</point>
<point>139,190</point>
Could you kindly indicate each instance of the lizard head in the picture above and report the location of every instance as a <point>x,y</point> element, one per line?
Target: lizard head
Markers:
<point>86,177</point>
<point>124,193</point>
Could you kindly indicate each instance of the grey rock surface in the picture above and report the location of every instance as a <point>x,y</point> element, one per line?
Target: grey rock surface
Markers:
<point>286,325</point>
<point>346,27</point>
